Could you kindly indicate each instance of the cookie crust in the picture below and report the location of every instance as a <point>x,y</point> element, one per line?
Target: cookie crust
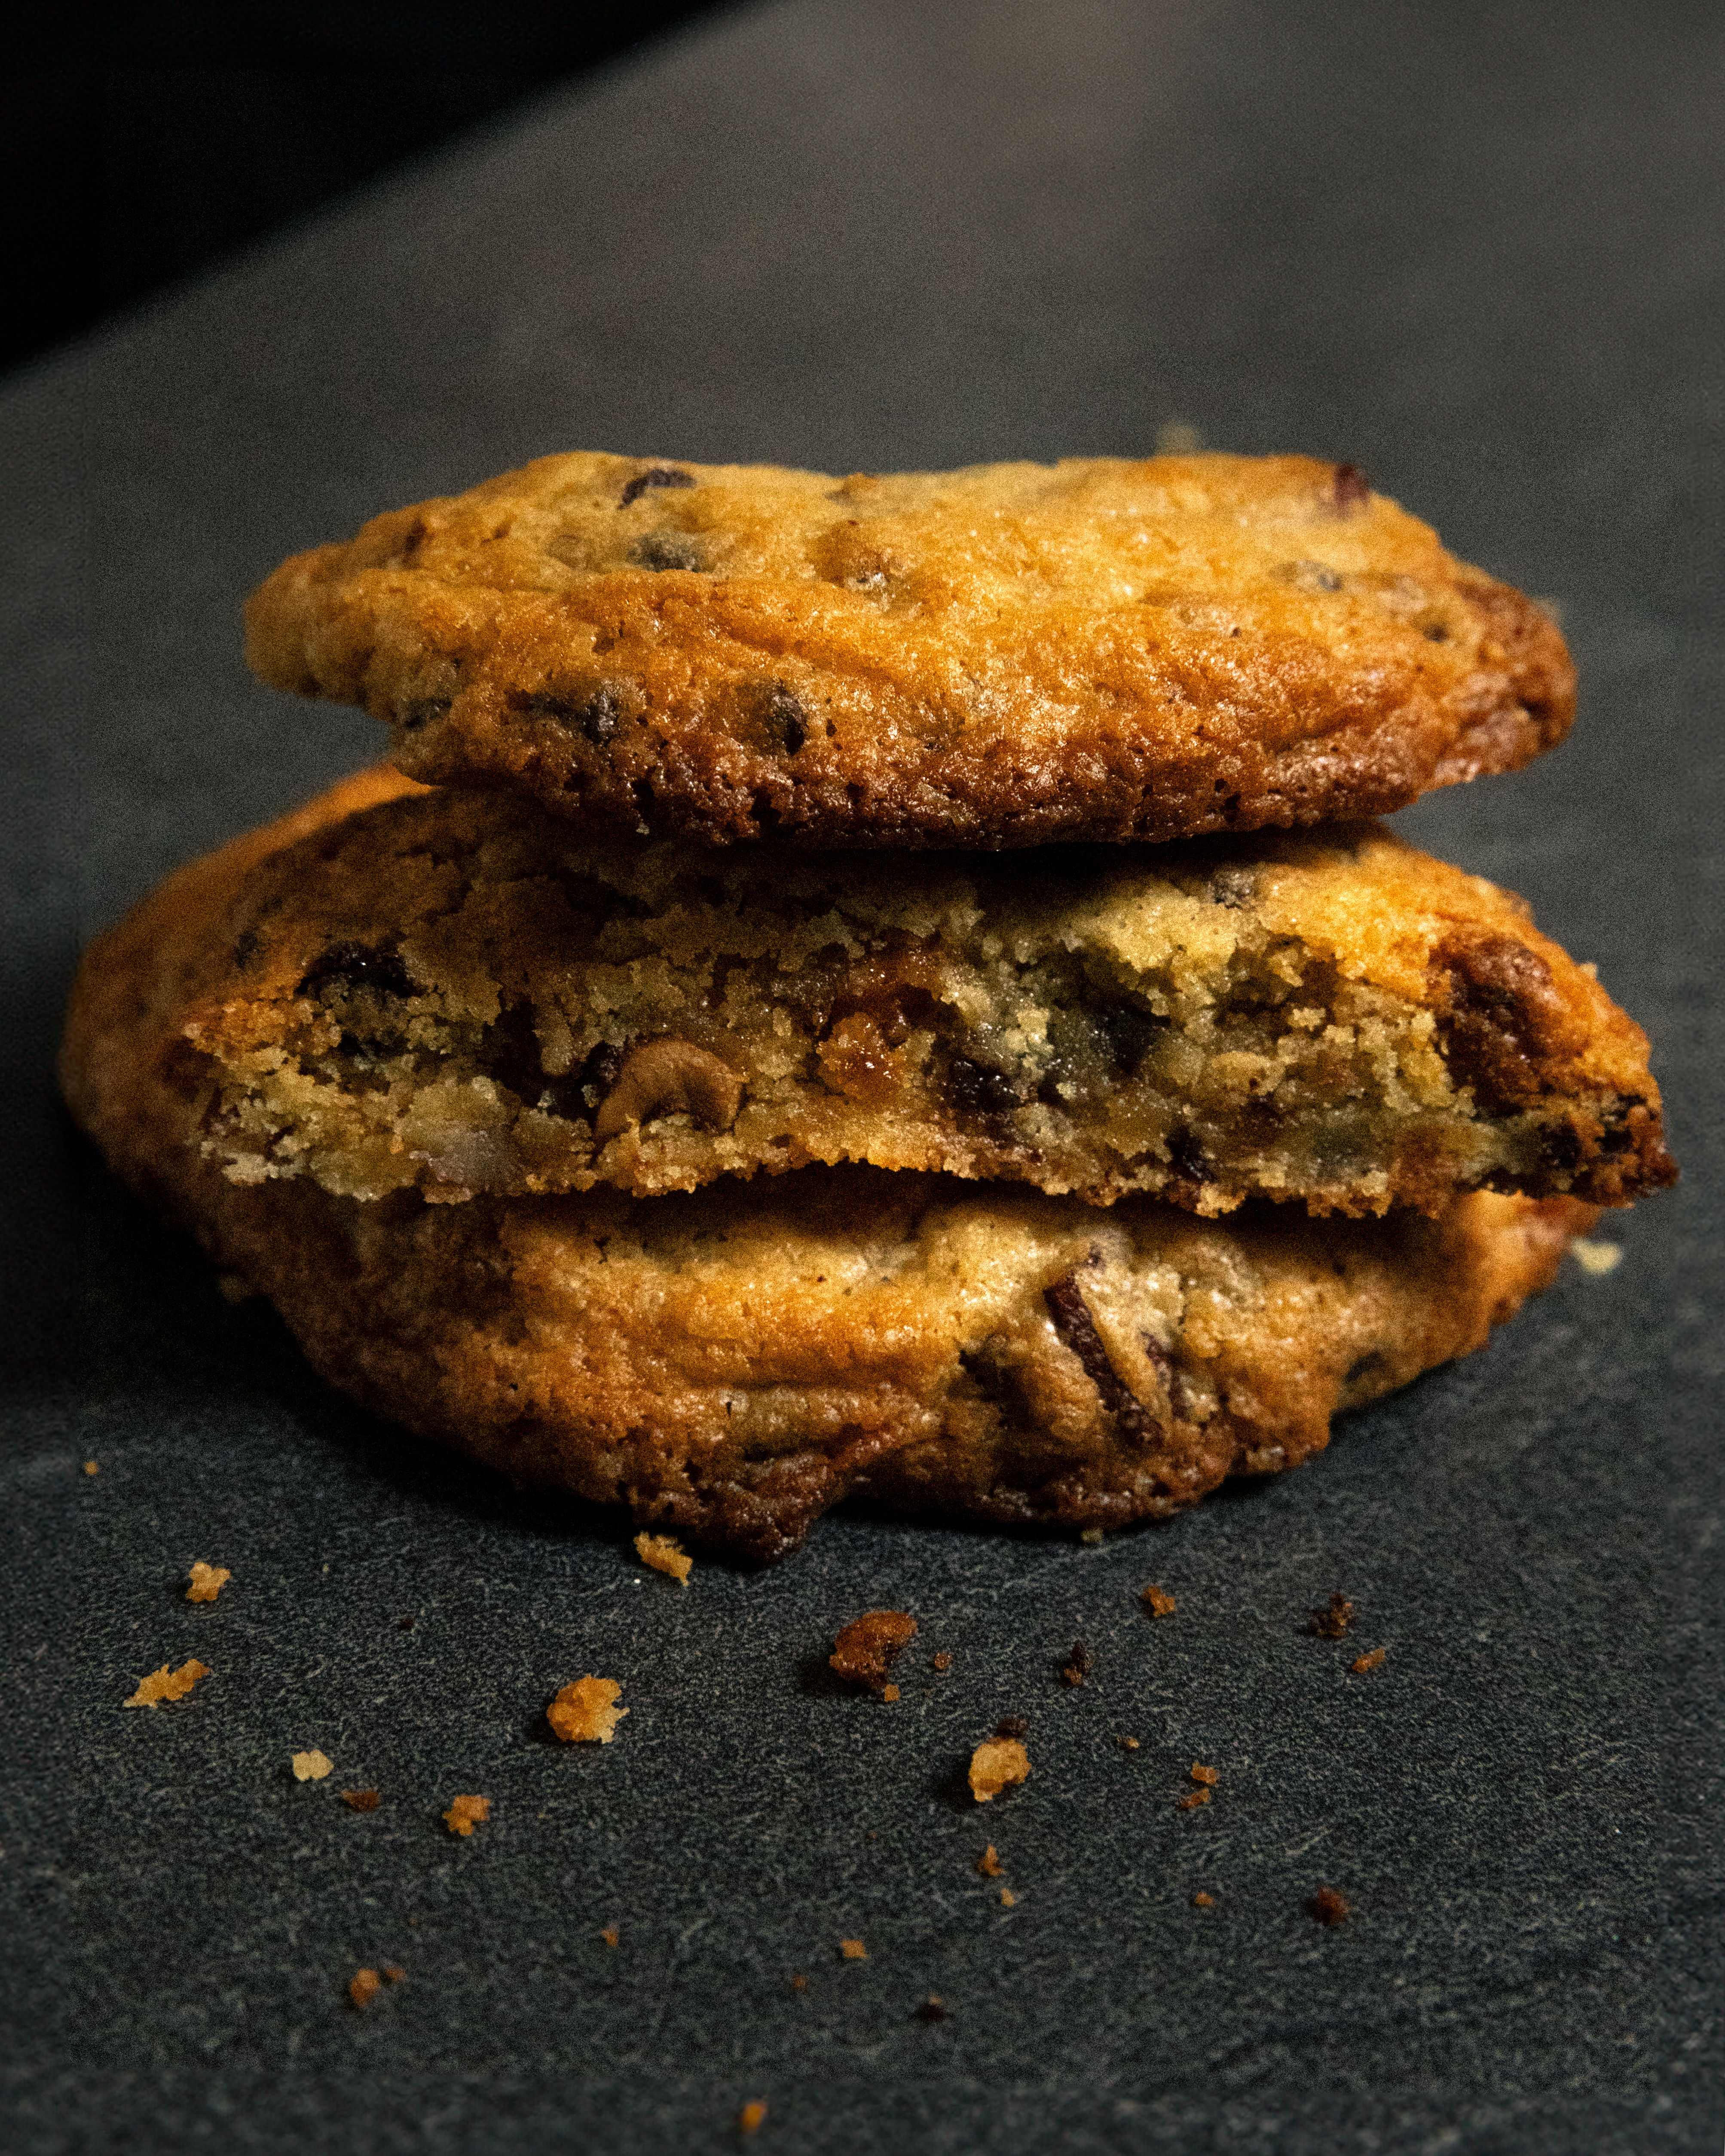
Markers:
<point>1002,656</point>
<point>730,1363</point>
<point>1337,1020</point>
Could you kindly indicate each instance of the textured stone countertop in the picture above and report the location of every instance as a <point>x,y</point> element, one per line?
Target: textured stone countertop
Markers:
<point>1472,249</point>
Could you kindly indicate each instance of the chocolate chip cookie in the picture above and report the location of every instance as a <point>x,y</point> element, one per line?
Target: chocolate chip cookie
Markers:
<point>1003,656</point>
<point>455,992</point>
<point>729,1363</point>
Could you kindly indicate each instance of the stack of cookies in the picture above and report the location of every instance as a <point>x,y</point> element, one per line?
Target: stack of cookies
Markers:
<point>879,986</point>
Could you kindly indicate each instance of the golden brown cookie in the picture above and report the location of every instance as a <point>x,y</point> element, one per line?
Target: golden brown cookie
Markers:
<point>1097,649</point>
<point>454,992</point>
<point>732,1362</point>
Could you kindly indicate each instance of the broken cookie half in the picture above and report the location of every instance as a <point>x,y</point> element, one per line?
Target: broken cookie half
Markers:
<point>456,992</point>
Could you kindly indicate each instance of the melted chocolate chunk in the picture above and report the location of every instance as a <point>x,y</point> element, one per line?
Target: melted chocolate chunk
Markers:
<point>1234,887</point>
<point>1560,1148</point>
<point>1352,487</point>
<point>599,1073</point>
<point>1504,1015</point>
<point>351,966</point>
<point>657,475</point>
<point>597,715</point>
<point>667,550</point>
<point>1073,1322</point>
<point>783,714</point>
<point>1128,1033</point>
<point>978,1089</point>
<point>1186,1156</point>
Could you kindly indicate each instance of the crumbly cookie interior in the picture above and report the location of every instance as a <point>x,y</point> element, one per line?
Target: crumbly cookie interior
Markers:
<point>547,1015</point>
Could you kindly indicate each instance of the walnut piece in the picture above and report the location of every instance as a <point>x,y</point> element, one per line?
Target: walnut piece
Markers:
<point>585,1712</point>
<point>670,1077</point>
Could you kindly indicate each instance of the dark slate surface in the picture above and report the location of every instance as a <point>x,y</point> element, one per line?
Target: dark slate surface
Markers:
<point>1473,249</point>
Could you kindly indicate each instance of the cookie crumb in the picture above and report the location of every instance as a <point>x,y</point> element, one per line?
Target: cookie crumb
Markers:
<point>932,2008</point>
<point>312,1766</point>
<point>1177,438</point>
<point>1373,1661</point>
<point>889,1691</point>
<point>165,1684</point>
<point>1208,1775</point>
<point>1197,1798</point>
<point>1092,1535</point>
<point>988,1863</point>
<point>853,1950</point>
<point>1013,1725</point>
<point>92,1467</point>
<point>996,1765</point>
<point>749,2118</point>
<point>1128,1744</point>
<point>394,1971</point>
<point>207,1581</point>
<point>611,1934</point>
<point>942,1661</point>
<point>466,1813</point>
<point>799,1984</point>
<point>365,1985</point>
<point>1076,1666</point>
<point>867,1647</point>
<point>1157,1602</point>
<point>1594,1257</point>
<point>1008,1898</point>
<point>665,1555</point>
<point>1204,1901</point>
<point>584,1712</point>
<point>404,1624</point>
<point>1331,1623</point>
<point>361,1800</point>
<point>1328,1907</point>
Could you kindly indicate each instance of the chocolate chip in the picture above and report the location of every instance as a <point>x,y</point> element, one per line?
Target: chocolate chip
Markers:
<point>1128,1033</point>
<point>1072,1321</point>
<point>1186,1156</point>
<point>667,550</point>
<point>1233,887</point>
<point>599,1073</point>
<point>978,1089</point>
<point>932,2009</point>
<point>779,710</point>
<point>1560,1149</point>
<point>1503,1015</point>
<point>1352,487</point>
<point>1435,632</point>
<point>655,475</point>
<point>352,966</point>
<point>1361,1364</point>
<point>1013,1725</point>
<point>412,540</point>
<point>596,715</point>
<point>245,947</point>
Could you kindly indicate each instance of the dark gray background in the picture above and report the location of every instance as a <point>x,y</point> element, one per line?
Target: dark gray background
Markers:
<point>1475,250</point>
